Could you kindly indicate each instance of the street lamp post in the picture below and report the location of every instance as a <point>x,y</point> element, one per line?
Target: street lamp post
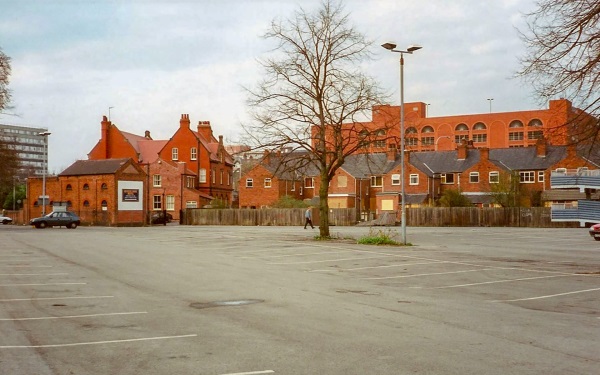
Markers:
<point>412,48</point>
<point>490,100</point>
<point>45,170</point>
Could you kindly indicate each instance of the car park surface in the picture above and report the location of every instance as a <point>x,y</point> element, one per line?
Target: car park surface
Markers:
<point>257,300</point>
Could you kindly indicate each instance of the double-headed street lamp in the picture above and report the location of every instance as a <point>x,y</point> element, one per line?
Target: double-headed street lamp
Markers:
<point>45,170</point>
<point>412,48</point>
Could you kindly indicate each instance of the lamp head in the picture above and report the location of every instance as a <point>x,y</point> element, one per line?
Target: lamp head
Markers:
<point>413,48</point>
<point>389,46</point>
<point>43,134</point>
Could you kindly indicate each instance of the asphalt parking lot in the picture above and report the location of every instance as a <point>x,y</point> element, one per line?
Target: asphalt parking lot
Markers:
<point>272,300</point>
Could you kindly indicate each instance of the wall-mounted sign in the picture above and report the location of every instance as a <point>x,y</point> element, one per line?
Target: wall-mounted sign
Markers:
<point>131,195</point>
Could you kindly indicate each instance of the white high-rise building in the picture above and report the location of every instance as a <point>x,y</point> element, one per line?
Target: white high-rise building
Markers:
<point>29,146</point>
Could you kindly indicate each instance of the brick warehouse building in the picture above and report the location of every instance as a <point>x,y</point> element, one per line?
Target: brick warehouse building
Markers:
<point>467,153</point>
<point>101,192</point>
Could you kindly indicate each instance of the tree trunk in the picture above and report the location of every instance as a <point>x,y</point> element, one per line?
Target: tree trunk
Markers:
<point>324,205</point>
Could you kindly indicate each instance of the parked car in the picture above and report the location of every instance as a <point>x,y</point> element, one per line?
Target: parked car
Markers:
<point>159,218</point>
<point>595,231</point>
<point>56,219</point>
<point>5,220</point>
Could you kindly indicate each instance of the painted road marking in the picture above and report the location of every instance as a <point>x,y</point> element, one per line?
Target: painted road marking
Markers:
<point>431,274</point>
<point>52,298</point>
<point>33,274</point>
<point>252,372</point>
<point>547,296</point>
<point>20,265</point>
<point>43,284</point>
<point>94,342</point>
<point>292,255</point>
<point>329,260</point>
<point>496,282</point>
<point>74,316</point>
<point>374,267</point>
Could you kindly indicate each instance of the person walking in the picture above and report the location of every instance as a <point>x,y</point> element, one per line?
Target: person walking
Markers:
<point>308,217</point>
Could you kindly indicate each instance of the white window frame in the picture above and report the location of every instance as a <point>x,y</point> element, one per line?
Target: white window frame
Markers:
<point>202,176</point>
<point>213,176</point>
<point>527,177</point>
<point>157,202</point>
<point>396,179</point>
<point>174,153</point>
<point>193,153</point>
<point>249,183</point>
<point>268,183</point>
<point>309,182</point>
<point>413,179</point>
<point>170,202</point>
<point>474,177</point>
<point>191,204</point>
<point>494,177</point>
<point>541,176</point>
<point>156,180</point>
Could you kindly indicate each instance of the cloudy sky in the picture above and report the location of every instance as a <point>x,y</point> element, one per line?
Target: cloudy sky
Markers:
<point>152,60</point>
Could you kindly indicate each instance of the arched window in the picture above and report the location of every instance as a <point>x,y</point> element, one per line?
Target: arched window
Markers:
<point>515,124</point>
<point>104,204</point>
<point>479,126</point>
<point>535,123</point>
<point>427,129</point>
<point>411,130</point>
<point>363,133</point>
<point>86,203</point>
<point>380,132</point>
<point>461,127</point>
<point>104,186</point>
<point>69,187</point>
<point>86,187</point>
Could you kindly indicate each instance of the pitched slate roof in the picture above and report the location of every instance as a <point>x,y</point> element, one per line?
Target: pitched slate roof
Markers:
<point>365,165</point>
<point>526,158</point>
<point>430,162</point>
<point>94,167</point>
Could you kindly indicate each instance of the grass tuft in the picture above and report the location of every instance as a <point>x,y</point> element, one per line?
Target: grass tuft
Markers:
<point>379,237</point>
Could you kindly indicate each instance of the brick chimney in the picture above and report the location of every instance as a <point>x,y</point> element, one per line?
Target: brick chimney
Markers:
<point>184,122</point>
<point>205,130</point>
<point>266,156</point>
<point>540,147</point>
<point>391,154</point>
<point>462,150</point>
<point>484,152</point>
<point>105,125</point>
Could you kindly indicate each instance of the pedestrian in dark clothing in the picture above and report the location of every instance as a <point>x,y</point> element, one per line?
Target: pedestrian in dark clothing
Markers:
<point>308,217</point>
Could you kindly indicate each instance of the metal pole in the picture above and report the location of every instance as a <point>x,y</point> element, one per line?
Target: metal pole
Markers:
<point>402,193</point>
<point>44,174</point>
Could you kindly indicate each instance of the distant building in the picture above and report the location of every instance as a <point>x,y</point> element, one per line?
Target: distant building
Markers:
<point>30,148</point>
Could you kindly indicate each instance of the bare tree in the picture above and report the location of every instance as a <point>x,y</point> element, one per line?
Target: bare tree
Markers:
<point>563,57</point>
<point>4,79</point>
<point>313,94</point>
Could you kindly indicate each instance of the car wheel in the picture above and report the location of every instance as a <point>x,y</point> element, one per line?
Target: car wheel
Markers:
<point>42,225</point>
<point>597,238</point>
<point>4,222</point>
<point>72,226</point>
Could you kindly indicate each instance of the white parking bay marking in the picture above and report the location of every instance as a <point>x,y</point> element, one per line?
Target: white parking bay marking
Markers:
<point>252,372</point>
<point>429,274</point>
<point>498,281</point>
<point>95,342</point>
<point>52,298</point>
<point>40,284</point>
<point>74,316</point>
<point>547,296</point>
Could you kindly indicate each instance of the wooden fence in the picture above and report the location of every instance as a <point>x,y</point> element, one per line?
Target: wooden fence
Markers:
<point>535,217</point>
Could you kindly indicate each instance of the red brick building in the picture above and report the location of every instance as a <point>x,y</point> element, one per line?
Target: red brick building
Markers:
<point>101,192</point>
<point>468,153</point>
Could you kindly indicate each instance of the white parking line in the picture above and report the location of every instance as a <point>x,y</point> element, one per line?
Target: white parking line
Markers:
<point>329,260</point>
<point>52,298</point>
<point>95,342</point>
<point>547,296</point>
<point>432,274</point>
<point>252,372</point>
<point>43,284</point>
<point>74,316</point>
<point>497,282</point>
<point>292,255</point>
<point>374,267</point>
<point>23,266</point>
<point>34,274</point>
